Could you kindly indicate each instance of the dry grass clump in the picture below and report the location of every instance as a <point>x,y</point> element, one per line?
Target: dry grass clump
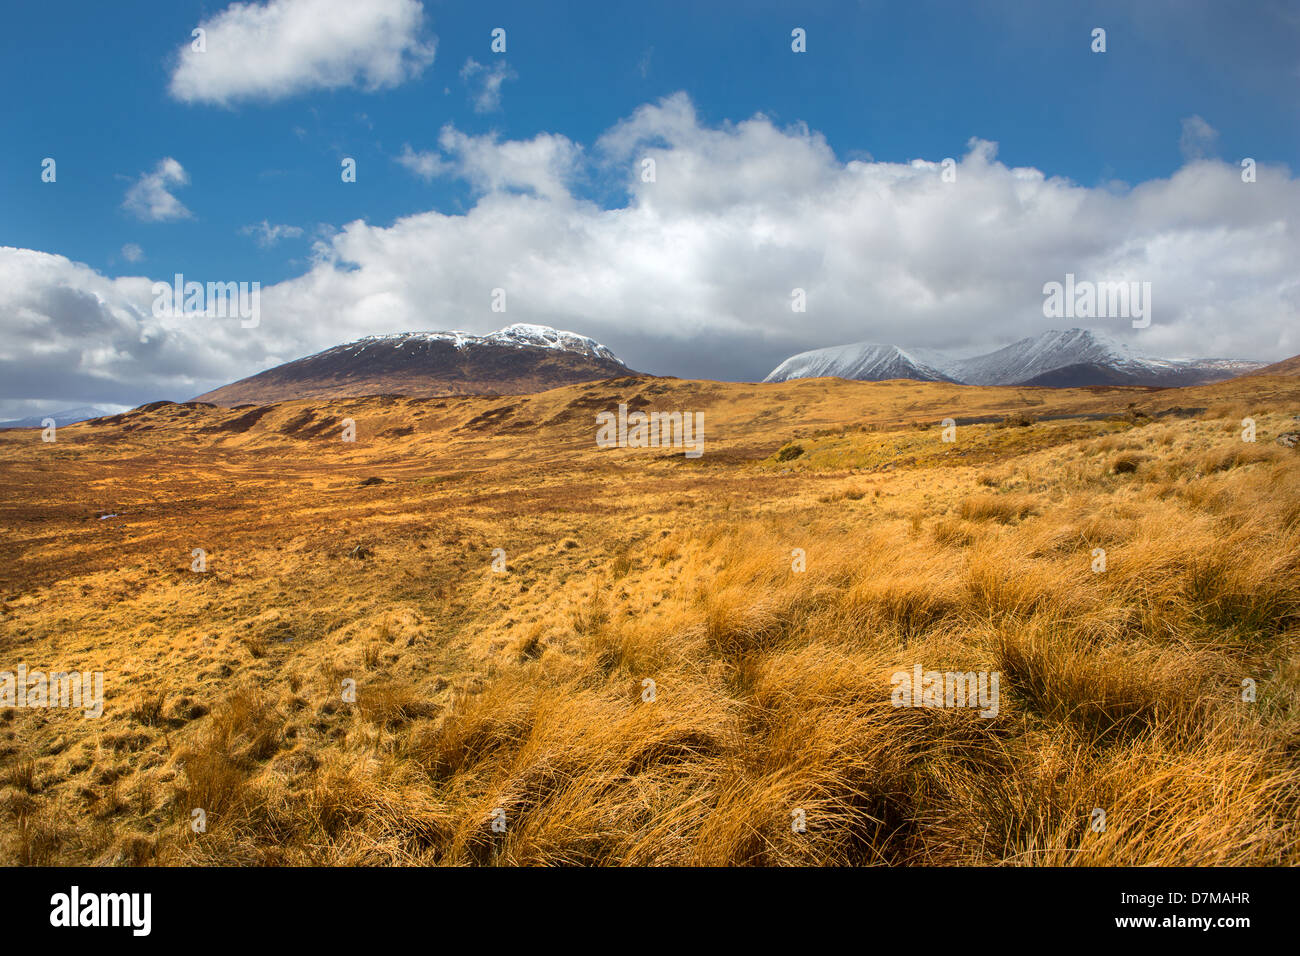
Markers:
<point>242,731</point>
<point>1004,508</point>
<point>149,709</point>
<point>952,533</point>
<point>1238,454</point>
<point>391,705</point>
<point>1128,462</point>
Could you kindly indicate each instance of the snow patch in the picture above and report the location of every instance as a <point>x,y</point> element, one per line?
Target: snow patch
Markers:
<point>519,335</point>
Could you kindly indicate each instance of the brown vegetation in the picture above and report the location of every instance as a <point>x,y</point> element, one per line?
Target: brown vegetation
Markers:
<point>658,677</point>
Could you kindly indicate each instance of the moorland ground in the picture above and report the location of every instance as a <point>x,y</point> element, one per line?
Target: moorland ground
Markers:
<point>520,698</point>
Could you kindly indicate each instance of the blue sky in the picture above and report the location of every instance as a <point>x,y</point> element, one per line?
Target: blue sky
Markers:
<point>92,85</point>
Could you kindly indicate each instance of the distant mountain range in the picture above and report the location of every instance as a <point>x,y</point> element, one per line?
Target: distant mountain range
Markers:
<point>523,358</point>
<point>1073,358</point>
<point>69,416</point>
<point>517,359</point>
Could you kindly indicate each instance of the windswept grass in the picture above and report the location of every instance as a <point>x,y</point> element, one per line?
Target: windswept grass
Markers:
<point>695,663</point>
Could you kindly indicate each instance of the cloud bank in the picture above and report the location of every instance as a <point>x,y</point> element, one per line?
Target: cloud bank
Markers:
<point>692,273</point>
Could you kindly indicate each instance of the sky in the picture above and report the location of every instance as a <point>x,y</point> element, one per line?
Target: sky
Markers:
<point>133,150</point>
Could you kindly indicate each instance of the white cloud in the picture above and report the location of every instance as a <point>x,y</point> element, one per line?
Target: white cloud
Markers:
<point>426,165</point>
<point>279,49</point>
<point>268,234</point>
<point>132,253</point>
<point>149,198</point>
<point>72,336</point>
<point>542,166</point>
<point>1198,138</point>
<point>485,83</point>
<point>692,274</point>
<point>739,215</point>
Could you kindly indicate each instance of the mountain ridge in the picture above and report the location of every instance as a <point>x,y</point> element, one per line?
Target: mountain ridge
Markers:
<point>862,361</point>
<point>517,359</point>
<point>1072,357</point>
<point>68,416</point>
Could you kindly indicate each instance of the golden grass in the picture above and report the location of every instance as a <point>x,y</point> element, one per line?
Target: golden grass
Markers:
<point>685,663</point>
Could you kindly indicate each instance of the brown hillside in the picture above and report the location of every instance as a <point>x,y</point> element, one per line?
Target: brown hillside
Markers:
<point>1289,366</point>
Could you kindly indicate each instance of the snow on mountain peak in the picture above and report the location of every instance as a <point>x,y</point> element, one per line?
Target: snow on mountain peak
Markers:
<point>861,360</point>
<point>1051,350</point>
<point>543,336</point>
<point>1053,356</point>
<point>518,335</point>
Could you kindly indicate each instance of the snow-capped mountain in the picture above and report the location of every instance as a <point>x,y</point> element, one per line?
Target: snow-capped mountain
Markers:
<point>864,361</point>
<point>69,416</point>
<point>1074,357</point>
<point>1051,351</point>
<point>519,358</point>
<point>520,335</point>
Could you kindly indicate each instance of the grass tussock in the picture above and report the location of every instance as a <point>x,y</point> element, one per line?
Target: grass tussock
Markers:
<point>1004,507</point>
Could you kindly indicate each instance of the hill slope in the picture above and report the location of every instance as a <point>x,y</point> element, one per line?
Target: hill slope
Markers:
<point>515,360</point>
<point>1289,366</point>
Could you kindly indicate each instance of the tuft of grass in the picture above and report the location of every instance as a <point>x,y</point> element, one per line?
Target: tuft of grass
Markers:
<point>22,774</point>
<point>149,709</point>
<point>1235,456</point>
<point>1003,508</point>
<point>1127,462</point>
<point>242,731</point>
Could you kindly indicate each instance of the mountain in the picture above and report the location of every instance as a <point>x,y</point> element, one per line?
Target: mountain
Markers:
<point>863,361</point>
<point>1072,358</point>
<point>1289,366</point>
<point>69,416</point>
<point>1078,357</point>
<point>515,360</point>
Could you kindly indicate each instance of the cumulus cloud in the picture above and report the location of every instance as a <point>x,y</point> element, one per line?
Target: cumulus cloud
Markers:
<point>267,234</point>
<point>150,199</point>
<point>271,51</point>
<point>542,166</point>
<point>485,83</point>
<point>691,274</point>
<point>72,336</point>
